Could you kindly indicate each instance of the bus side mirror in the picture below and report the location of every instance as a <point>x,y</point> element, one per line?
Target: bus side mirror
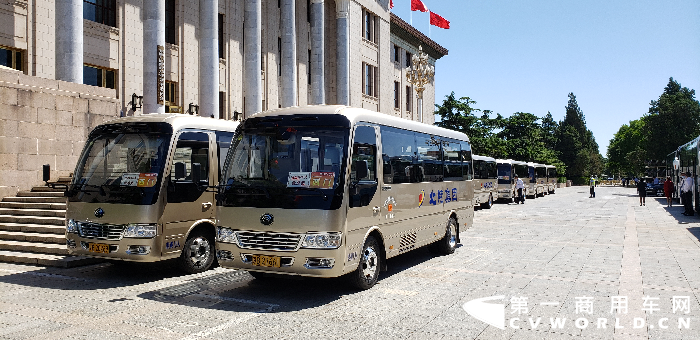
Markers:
<point>179,170</point>
<point>361,170</point>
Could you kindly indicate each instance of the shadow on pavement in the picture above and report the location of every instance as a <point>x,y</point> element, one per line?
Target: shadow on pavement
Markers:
<point>94,277</point>
<point>695,231</point>
<point>219,289</point>
<point>676,211</point>
<point>237,290</point>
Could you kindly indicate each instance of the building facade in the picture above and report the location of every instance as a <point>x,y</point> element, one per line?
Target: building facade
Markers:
<point>217,58</point>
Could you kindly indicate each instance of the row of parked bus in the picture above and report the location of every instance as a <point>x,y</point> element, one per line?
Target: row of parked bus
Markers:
<point>321,191</point>
<point>683,160</point>
<point>494,179</point>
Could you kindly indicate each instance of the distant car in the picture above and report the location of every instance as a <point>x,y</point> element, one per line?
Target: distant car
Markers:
<point>655,189</point>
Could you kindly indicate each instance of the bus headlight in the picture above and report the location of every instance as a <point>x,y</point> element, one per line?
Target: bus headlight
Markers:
<point>322,240</point>
<point>140,230</point>
<point>225,235</point>
<point>71,226</point>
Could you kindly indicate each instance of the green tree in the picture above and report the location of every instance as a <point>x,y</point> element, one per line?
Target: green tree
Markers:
<point>626,151</point>
<point>459,115</point>
<point>672,120</point>
<point>576,145</point>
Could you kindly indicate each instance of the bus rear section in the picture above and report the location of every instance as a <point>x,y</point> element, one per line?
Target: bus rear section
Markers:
<point>326,191</point>
<point>139,192</point>
<point>485,181</point>
<point>506,180</point>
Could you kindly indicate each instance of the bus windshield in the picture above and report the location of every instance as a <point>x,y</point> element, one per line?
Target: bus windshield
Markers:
<point>122,163</point>
<point>286,166</point>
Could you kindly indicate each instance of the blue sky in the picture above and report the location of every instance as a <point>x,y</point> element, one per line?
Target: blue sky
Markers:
<point>616,56</point>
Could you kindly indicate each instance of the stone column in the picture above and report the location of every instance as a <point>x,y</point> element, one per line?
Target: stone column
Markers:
<point>154,56</point>
<point>252,52</point>
<point>318,86</point>
<point>289,54</point>
<point>342,8</point>
<point>69,40</point>
<point>209,58</point>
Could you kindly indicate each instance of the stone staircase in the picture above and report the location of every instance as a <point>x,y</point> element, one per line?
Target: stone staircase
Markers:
<point>32,228</point>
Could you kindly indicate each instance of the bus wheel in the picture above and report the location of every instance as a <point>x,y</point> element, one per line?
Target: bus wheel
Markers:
<point>448,243</point>
<point>197,254</point>
<point>367,272</point>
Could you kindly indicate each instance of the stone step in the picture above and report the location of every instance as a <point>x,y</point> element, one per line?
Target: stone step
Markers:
<point>33,219</point>
<point>34,228</point>
<point>32,199</point>
<point>32,237</point>
<point>65,179</point>
<point>47,189</point>
<point>33,205</point>
<point>39,194</point>
<point>34,247</point>
<point>33,212</point>
<point>46,259</point>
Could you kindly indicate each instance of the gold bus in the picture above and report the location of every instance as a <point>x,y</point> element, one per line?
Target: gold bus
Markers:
<point>485,180</point>
<point>327,191</point>
<point>551,178</point>
<point>538,176</point>
<point>139,190</point>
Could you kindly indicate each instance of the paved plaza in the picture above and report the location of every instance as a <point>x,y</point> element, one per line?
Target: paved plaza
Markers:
<point>563,267</point>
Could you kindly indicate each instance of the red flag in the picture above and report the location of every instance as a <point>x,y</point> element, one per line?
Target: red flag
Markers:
<point>391,4</point>
<point>417,5</point>
<point>439,21</point>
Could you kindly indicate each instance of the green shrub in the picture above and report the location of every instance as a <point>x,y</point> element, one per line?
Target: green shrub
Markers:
<point>561,179</point>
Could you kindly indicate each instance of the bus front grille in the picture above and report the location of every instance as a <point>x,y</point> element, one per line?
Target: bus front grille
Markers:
<point>268,241</point>
<point>101,231</point>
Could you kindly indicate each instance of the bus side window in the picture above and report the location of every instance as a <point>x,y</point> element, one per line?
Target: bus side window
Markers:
<point>466,153</point>
<point>398,155</point>
<point>363,167</point>
<point>223,143</point>
<point>191,147</point>
<point>429,158</point>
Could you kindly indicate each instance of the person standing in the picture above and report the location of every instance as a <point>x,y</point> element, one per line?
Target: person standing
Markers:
<point>592,188</point>
<point>668,191</point>
<point>519,186</point>
<point>642,191</point>
<point>687,194</point>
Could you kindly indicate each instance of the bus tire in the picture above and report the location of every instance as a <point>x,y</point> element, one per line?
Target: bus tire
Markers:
<point>448,243</point>
<point>198,253</point>
<point>367,272</point>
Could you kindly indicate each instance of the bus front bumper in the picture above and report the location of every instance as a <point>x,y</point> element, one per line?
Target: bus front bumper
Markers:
<point>303,262</point>
<point>128,249</point>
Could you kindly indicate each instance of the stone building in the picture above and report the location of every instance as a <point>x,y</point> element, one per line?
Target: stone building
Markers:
<point>72,64</point>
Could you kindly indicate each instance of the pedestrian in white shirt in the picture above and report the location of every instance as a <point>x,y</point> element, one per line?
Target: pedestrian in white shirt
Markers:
<point>519,185</point>
<point>687,194</point>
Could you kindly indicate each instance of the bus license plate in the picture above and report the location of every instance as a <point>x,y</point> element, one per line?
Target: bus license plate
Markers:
<point>99,248</point>
<point>266,261</point>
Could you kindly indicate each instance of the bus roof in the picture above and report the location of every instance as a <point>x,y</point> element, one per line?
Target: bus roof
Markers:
<point>355,115</point>
<point>504,161</point>
<point>179,121</point>
<point>483,158</point>
<point>550,166</point>
<point>536,165</point>
<point>519,162</point>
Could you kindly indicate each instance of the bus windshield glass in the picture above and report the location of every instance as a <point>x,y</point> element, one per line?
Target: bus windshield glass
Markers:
<point>289,166</point>
<point>504,173</point>
<point>122,163</point>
